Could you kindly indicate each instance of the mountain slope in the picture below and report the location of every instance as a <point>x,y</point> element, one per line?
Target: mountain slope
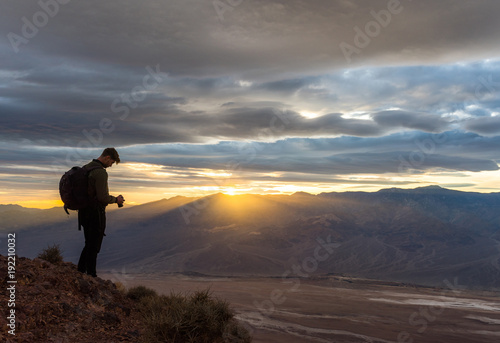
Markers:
<point>425,235</point>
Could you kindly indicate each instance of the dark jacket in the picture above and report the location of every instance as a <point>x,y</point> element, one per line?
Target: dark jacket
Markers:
<point>98,185</point>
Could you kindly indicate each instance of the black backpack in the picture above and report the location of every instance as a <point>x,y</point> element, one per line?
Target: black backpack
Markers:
<point>73,188</point>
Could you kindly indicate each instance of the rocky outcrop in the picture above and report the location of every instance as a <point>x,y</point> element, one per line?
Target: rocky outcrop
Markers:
<point>56,303</point>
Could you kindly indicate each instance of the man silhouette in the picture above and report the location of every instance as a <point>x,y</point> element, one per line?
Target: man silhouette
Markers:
<point>93,217</point>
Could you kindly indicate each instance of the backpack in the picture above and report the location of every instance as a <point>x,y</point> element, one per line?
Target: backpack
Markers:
<point>73,188</point>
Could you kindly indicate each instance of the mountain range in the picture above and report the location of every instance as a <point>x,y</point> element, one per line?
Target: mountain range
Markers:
<point>428,236</point>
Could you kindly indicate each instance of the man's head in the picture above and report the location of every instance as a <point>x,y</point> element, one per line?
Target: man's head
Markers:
<point>109,156</point>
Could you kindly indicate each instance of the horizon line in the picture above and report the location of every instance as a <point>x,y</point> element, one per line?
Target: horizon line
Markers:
<point>133,204</point>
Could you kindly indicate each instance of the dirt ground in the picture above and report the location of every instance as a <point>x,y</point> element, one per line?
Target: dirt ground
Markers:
<point>337,310</point>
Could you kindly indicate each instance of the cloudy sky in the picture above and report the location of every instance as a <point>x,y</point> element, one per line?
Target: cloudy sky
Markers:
<point>249,96</point>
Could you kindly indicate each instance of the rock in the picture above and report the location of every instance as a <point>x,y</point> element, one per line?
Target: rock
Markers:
<point>110,318</point>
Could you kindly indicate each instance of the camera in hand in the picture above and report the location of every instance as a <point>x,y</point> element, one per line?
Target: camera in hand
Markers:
<point>120,204</point>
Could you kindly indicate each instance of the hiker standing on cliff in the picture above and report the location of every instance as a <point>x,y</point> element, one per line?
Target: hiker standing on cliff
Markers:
<point>93,217</point>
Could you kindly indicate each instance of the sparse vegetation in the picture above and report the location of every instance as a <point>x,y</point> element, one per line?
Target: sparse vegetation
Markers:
<point>198,317</point>
<point>51,254</point>
<point>139,292</point>
<point>120,287</point>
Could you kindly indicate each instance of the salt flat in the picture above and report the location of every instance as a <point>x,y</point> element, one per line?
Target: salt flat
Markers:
<point>337,310</point>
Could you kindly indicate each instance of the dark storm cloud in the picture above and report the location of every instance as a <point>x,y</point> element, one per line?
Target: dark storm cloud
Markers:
<point>58,110</point>
<point>250,123</point>
<point>417,121</point>
<point>287,86</point>
<point>58,93</point>
<point>412,151</point>
<point>236,85</point>
<point>242,123</point>
<point>256,37</point>
<point>485,125</point>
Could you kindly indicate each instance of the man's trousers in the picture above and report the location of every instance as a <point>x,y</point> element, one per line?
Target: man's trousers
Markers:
<point>93,220</point>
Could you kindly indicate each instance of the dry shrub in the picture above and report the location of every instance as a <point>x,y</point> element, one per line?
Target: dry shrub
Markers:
<point>197,317</point>
<point>51,254</point>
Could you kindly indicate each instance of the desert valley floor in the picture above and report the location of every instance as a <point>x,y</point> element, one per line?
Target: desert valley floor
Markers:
<point>339,310</point>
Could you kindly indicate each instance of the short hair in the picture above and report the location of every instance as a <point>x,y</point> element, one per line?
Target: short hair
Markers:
<point>111,152</point>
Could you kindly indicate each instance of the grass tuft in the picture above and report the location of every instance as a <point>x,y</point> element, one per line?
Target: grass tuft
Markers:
<point>51,254</point>
<point>120,287</point>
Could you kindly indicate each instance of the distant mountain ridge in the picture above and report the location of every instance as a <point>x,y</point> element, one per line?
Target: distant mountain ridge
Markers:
<point>425,235</point>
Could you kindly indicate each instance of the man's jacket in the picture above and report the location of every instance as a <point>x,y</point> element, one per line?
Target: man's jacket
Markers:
<point>98,185</point>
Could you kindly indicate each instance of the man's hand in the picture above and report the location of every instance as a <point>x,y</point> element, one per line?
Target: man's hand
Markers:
<point>120,200</point>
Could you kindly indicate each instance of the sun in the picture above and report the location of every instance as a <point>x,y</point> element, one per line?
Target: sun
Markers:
<point>309,114</point>
<point>229,191</point>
